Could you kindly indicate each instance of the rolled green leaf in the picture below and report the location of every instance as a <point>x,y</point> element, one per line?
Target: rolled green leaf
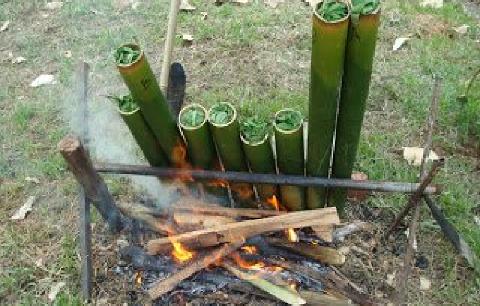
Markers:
<point>288,127</point>
<point>328,50</point>
<point>201,149</point>
<point>141,132</point>
<point>360,51</point>
<point>140,80</point>
<point>258,151</point>
<point>226,134</point>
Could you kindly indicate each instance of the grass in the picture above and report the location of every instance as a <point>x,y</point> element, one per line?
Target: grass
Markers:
<point>256,58</point>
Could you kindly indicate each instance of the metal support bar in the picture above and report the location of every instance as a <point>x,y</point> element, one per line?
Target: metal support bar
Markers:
<point>256,178</point>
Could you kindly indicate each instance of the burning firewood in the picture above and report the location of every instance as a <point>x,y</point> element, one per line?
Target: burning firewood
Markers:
<point>193,221</point>
<point>320,253</point>
<point>284,294</point>
<point>238,231</point>
<point>166,285</point>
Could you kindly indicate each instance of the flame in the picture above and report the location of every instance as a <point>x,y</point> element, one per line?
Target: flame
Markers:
<point>273,201</point>
<point>242,263</point>
<point>180,253</point>
<point>218,183</point>
<point>293,285</point>
<point>292,235</point>
<point>249,249</point>
<point>138,278</point>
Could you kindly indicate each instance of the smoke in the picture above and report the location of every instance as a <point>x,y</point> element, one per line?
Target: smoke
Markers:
<point>107,137</point>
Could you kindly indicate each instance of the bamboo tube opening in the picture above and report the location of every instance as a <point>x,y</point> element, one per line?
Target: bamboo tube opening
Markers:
<point>220,125</point>
<point>188,108</point>
<point>136,61</point>
<point>288,131</point>
<point>254,143</point>
<point>128,113</point>
<point>317,16</point>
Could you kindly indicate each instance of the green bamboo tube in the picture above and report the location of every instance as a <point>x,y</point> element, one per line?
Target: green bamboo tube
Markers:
<point>290,155</point>
<point>143,86</point>
<point>226,135</point>
<point>200,146</point>
<point>328,50</point>
<point>360,51</point>
<point>259,154</point>
<point>143,135</point>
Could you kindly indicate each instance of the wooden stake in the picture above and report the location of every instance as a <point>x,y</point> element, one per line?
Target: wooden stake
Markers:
<point>169,41</point>
<point>239,231</point>
<point>166,285</point>
<point>95,188</point>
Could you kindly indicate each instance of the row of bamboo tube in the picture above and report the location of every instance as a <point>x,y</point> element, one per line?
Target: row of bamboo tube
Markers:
<point>341,65</point>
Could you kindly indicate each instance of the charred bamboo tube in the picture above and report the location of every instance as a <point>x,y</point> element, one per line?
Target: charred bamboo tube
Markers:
<point>140,80</point>
<point>328,50</point>
<point>258,152</point>
<point>288,127</point>
<point>201,149</point>
<point>258,178</point>
<point>360,51</point>
<point>226,134</point>
<point>141,132</point>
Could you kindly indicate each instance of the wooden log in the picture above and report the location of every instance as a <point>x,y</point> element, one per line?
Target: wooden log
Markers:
<point>340,233</point>
<point>239,231</point>
<point>95,188</point>
<point>319,253</point>
<point>156,222</point>
<point>198,207</point>
<point>283,294</point>
<point>195,221</point>
<point>331,280</point>
<point>166,285</point>
<point>324,232</point>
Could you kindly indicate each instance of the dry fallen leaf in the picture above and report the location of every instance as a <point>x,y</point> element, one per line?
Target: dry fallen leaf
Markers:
<point>463,29</point>
<point>53,5</point>
<point>425,283</point>
<point>5,25</point>
<point>32,179</point>
<point>204,15</point>
<point>273,3</point>
<point>432,3</point>
<point>414,155</point>
<point>187,39</point>
<point>55,290</point>
<point>186,6</point>
<point>391,279</point>
<point>312,3</point>
<point>27,207</point>
<point>18,60</point>
<point>399,42</point>
<point>67,54</point>
<point>240,1</point>
<point>43,79</point>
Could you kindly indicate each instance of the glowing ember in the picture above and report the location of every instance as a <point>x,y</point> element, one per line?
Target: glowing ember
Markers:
<point>218,183</point>
<point>242,263</point>
<point>292,235</point>
<point>293,285</point>
<point>249,249</point>
<point>180,253</point>
<point>244,191</point>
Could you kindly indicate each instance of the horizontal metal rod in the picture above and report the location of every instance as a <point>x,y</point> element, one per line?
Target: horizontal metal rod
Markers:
<point>256,178</point>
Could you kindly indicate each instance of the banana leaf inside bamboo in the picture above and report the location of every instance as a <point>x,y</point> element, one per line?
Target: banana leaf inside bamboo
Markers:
<point>225,129</point>
<point>360,51</point>
<point>258,152</point>
<point>140,80</point>
<point>329,34</point>
<point>288,128</point>
<point>201,149</point>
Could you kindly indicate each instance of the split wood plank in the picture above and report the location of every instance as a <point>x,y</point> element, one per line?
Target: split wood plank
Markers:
<point>239,231</point>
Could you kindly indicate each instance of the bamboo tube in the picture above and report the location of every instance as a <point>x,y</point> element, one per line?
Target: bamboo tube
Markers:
<point>290,157</point>
<point>200,146</point>
<point>328,50</point>
<point>143,135</point>
<point>141,82</point>
<point>226,135</point>
<point>360,51</point>
<point>259,154</point>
